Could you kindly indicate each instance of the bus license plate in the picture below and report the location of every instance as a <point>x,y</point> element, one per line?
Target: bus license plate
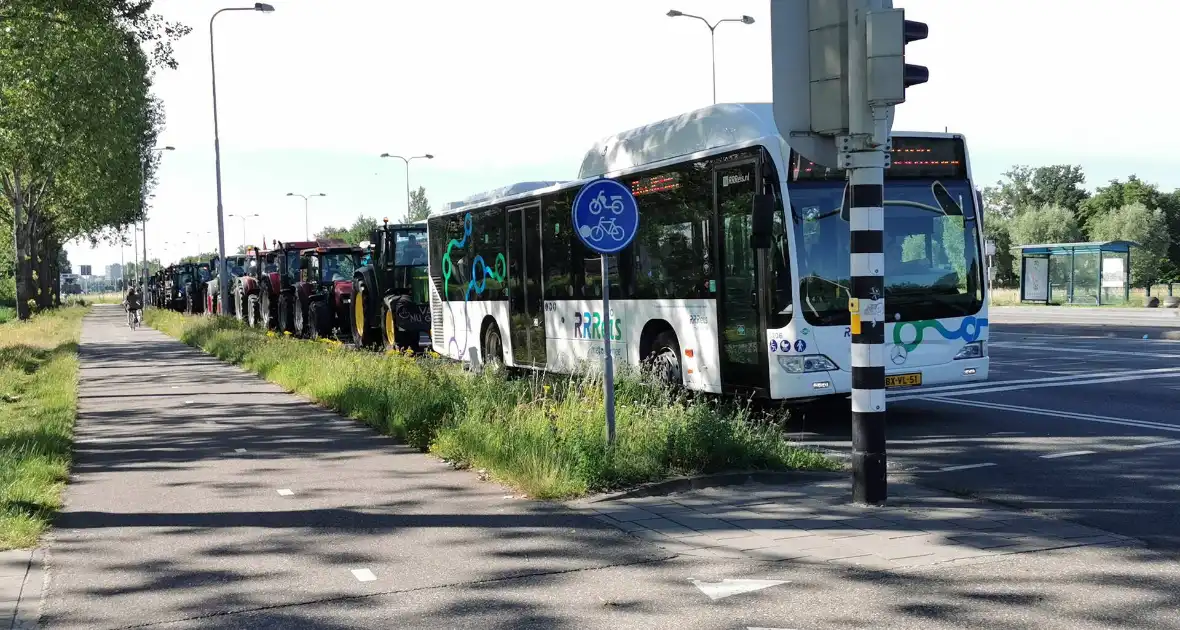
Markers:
<point>904,380</point>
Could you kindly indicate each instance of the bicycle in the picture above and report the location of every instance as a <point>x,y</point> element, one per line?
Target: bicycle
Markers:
<point>133,318</point>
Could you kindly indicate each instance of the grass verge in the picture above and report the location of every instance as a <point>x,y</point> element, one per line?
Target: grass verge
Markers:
<point>38,403</point>
<point>542,434</point>
<point>7,314</point>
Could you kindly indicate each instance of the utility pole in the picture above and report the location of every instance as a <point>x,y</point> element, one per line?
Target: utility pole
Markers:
<point>839,69</point>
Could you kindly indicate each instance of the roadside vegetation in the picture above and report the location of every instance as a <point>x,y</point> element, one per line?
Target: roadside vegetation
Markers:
<point>543,435</point>
<point>38,402</point>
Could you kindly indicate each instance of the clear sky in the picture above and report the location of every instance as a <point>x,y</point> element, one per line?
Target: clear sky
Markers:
<point>312,94</point>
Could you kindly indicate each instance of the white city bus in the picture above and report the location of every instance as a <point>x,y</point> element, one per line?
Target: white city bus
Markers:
<point>697,296</point>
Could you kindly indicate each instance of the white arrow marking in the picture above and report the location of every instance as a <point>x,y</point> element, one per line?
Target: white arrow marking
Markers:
<point>727,587</point>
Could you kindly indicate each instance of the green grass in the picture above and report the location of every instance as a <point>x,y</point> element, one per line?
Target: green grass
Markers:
<point>38,401</point>
<point>542,435</point>
<point>7,313</point>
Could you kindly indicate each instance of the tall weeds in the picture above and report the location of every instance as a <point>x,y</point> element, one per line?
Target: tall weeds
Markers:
<point>544,434</point>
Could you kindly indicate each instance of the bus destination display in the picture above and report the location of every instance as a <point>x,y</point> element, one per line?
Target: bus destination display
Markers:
<point>912,158</point>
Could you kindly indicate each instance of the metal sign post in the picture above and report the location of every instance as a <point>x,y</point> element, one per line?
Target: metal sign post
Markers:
<point>606,218</point>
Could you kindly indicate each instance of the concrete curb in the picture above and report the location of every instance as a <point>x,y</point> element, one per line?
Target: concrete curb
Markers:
<point>698,482</point>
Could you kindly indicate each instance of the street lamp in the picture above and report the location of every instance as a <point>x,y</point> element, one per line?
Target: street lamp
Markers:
<point>745,19</point>
<point>223,276</point>
<point>243,217</point>
<point>407,161</point>
<point>143,206</point>
<point>306,231</point>
<point>197,240</point>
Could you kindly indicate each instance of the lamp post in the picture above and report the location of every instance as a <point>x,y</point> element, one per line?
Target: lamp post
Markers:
<point>223,275</point>
<point>143,206</point>
<point>407,161</point>
<point>243,217</point>
<point>745,19</point>
<point>306,230</point>
<point>197,240</point>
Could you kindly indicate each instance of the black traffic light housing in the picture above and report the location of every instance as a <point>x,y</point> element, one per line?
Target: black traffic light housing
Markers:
<point>912,32</point>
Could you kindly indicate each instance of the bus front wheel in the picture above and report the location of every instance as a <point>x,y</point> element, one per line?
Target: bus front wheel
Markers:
<point>493,347</point>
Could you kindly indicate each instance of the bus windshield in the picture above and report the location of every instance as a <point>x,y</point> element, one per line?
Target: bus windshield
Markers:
<point>932,265</point>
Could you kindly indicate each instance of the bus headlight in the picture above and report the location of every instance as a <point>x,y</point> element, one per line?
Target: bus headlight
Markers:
<point>806,363</point>
<point>971,351</point>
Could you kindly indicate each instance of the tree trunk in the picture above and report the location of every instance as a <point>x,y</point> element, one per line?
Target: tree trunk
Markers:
<point>45,273</point>
<point>19,238</point>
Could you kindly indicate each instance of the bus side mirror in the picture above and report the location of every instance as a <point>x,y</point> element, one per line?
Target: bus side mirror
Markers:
<point>762,222</point>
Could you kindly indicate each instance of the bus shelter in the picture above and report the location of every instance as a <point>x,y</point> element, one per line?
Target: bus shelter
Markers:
<point>1076,273</point>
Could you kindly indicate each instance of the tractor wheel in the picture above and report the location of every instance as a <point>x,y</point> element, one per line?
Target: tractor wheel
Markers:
<point>188,304</point>
<point>286,323</point>
<point>264,309</point>
<point>362,336</point>
<point>319,319</point>
<point>252,319</point>
<point>389,338</point>
<point>300,317</point>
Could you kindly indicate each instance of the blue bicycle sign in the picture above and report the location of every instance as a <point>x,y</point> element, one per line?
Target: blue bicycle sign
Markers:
<point>605,216</point>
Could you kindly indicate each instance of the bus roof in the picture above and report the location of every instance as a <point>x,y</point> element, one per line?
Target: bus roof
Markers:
<point>704,129</point>
<point>499,193</point>
<point>712,127</point>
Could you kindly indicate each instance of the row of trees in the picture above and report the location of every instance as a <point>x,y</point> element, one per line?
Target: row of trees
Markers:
<point>77,128</point>
<point>1048,204</point>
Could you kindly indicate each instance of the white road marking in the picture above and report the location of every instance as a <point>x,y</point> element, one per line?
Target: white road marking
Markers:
<point>285,492</point>
<point>1056,381</point>
<point>364,575</point>
<point>999,433</point>
<point>1155,444</point>
<point>1086,351</point>
<point>1069,454</point>
<point>728,587</point>
<point>188,402</point>
<point>966,467</point>
<point>239,450</point>
<point>1142,424</point>
<point>1039,379</point>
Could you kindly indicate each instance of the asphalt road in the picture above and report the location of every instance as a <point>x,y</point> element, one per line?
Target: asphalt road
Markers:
<point>1080,420</point>
<point>204,497</point>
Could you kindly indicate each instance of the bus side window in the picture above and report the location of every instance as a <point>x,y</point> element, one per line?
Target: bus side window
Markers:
<point>783,299</point>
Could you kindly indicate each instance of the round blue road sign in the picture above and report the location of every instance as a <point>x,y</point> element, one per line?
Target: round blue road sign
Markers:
<point>605,216</point>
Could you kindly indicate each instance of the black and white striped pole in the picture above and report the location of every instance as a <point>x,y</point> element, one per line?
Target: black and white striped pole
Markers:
<point>866,304</point>
<point>838,69</point>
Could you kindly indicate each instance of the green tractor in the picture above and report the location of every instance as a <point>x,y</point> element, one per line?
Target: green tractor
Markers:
<point>390,291</point>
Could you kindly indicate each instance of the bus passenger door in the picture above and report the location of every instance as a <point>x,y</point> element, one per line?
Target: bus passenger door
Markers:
<point>525,304</point>
<point>740,319</point>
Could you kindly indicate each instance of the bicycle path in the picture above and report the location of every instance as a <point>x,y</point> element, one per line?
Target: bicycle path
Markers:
<point>201,490</point>
<point>202,497</point>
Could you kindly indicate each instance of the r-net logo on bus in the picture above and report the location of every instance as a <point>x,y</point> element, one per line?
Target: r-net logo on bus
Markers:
<point>589,325</point>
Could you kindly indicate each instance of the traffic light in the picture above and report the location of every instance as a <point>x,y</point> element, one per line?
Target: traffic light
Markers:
<point>913,31</point>
<point>886,34</point>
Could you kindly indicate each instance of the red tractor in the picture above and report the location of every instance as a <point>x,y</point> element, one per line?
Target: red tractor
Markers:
<point>323,294</point>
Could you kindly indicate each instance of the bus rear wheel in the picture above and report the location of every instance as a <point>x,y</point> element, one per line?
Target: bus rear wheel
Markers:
<point>493,347</point>
<point>663,362</point>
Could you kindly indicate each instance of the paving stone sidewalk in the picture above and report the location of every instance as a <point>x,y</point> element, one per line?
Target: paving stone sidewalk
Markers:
<point>814,521</point>
<point>21,582</point>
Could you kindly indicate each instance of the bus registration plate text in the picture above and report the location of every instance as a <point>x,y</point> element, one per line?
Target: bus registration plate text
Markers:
<point>903,380</point>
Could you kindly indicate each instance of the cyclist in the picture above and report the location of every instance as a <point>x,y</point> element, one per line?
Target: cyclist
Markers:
<point>133,304</point>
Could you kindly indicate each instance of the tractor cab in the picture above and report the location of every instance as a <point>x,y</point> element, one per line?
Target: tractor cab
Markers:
<point>323,293</point>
